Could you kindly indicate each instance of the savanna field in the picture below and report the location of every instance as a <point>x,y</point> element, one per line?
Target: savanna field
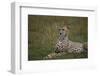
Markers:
<point>43,34</point>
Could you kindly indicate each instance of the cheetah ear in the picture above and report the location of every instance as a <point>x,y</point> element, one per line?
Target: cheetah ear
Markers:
<point>57,27</point>
<point>68,26</point>
<point>55,24</point>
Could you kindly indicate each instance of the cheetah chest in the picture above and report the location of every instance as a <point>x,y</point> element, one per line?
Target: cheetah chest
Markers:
<point>62,46</point>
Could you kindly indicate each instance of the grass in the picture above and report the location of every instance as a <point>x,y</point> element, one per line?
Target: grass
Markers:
<point>42,34</point>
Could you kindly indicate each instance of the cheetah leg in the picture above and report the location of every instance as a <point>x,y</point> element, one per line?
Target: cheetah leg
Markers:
<point>54,55</point>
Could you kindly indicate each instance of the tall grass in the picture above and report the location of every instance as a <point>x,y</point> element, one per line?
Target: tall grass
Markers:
<point>43,33</point>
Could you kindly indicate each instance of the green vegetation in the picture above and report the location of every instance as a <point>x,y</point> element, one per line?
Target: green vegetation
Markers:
<point>43,34</point>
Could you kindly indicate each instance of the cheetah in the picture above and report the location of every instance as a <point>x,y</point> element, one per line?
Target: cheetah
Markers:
<point>65,45</point>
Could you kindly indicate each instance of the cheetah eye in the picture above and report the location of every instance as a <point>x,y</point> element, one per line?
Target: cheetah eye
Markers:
<point>59,29</point>
<point>63,29</point>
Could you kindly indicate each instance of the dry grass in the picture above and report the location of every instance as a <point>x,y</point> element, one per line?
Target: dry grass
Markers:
<point>42,35</point>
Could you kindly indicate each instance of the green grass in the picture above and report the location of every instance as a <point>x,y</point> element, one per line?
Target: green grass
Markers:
<point>42,34</point>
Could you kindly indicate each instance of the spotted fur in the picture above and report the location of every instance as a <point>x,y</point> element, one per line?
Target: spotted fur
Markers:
<point>65,45</point>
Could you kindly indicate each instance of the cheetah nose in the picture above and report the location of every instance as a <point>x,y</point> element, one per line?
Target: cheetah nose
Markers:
<point>60,33</point>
